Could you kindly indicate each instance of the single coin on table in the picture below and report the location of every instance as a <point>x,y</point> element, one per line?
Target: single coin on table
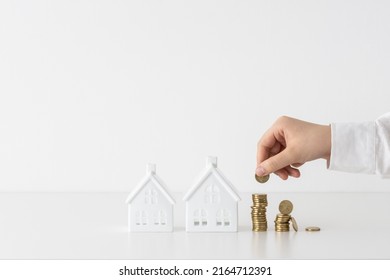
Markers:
<point>285,207</point>
<point>262,179</point>
<point>312,229</point>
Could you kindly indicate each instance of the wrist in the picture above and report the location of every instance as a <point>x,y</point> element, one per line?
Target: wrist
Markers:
<point>326,140</point>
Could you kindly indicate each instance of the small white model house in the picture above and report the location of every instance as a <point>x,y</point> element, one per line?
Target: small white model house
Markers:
<point>211,203</point>
<point>150,205</point>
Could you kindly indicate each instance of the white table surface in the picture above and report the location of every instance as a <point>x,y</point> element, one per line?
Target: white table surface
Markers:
<point>94,226</point>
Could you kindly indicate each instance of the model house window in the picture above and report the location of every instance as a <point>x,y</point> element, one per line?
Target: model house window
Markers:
<point>212,194</point>
<point>141,218</point>
<point>160,218</point>
<point>150,196</point>
<point>223,217</point>
<point>200,217</point>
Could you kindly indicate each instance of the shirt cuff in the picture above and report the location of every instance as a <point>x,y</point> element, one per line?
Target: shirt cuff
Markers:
<point>353,147</point>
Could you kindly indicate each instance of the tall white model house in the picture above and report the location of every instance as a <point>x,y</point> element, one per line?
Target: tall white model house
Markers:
<point>150,205</point>
<point>212,202</point>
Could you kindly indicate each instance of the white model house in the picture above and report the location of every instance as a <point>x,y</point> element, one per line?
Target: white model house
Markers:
<point>211,203</point>
<point>150,205</point>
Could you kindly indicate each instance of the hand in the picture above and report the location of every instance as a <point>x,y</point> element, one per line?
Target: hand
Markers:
<point>288,144</point>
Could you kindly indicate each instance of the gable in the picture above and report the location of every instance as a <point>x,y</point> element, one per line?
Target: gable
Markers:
<point>211,191</point>
<point>150,181</point>
<point>212,174</point>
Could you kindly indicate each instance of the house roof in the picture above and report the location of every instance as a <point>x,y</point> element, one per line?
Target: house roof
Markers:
<point>211,169</point>
<point>151,176</point>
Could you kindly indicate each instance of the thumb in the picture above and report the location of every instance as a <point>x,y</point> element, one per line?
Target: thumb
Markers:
<point>274,163</point>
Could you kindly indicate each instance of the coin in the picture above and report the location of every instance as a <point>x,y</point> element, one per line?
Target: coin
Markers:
<point>285,207</point>
<point>294,224</point>
<point>262,179</point>
<point>312,229</point>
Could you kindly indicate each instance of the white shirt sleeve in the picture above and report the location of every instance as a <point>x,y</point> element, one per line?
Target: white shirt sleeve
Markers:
<point>361,147</point>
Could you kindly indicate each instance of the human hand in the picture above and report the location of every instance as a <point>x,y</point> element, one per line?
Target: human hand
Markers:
<point>288,144</point>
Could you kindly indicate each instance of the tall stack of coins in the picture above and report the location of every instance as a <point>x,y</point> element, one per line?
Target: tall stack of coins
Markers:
<point>259,218</point>
<point>282,221</point>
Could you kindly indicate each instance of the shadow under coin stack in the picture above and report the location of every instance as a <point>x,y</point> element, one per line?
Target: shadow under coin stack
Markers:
<point>282,221</point>
<point>259,217</point>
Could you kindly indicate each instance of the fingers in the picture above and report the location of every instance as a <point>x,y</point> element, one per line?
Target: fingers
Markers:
<point>296,165</point>
<point>273,153</point>
<point>282,173</point>
<point>288,171</point>
<point>265,145</point>
<point>276,163</point>
<point>293,172</point>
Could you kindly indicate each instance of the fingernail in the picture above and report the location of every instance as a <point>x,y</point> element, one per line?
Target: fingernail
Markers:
<point>260,171</point>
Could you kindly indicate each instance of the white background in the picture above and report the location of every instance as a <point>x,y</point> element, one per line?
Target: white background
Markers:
<point>90,91</point>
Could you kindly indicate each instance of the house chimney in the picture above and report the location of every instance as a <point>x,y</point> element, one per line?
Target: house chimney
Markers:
<point>151,168</point>
<point>212,161</point>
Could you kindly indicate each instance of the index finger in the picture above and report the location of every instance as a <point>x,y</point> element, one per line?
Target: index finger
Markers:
<point>264,146</point>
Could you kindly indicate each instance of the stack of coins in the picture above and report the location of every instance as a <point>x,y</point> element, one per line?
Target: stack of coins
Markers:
<point>259,218</point>
<point>282,221</point>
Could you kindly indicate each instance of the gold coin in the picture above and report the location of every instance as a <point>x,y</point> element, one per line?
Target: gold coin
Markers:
<point>285,207</point>
<point>280,215</point>
<point>262,179</point>
<point>312,229</point>
<point>294,224</point>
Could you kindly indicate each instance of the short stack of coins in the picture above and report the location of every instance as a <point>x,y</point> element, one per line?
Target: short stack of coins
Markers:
<point>259,209</point>
<point>282,221</point>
